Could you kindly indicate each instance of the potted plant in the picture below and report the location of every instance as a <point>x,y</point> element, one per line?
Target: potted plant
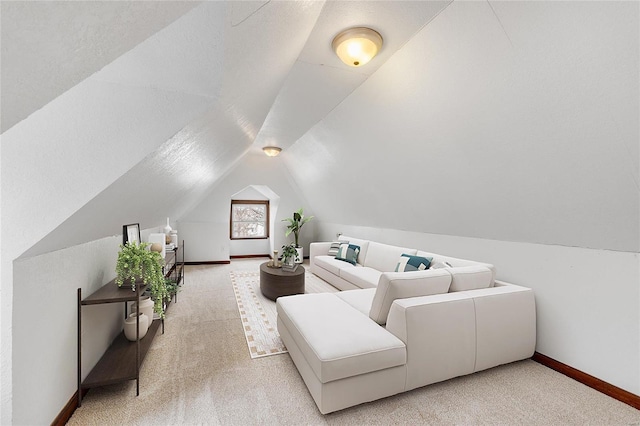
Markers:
<point>139,265</point>
<point>295,225</point>
<point>290,256</point>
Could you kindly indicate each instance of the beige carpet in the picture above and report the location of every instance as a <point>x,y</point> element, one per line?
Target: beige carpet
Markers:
<point>258,314</point>
<point>200,372</point>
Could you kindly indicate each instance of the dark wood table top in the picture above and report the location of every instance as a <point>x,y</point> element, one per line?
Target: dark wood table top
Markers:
<point>281,272</point>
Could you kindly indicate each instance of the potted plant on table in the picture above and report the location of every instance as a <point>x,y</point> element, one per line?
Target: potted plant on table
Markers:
<point>137,265</point>
<point>290,256</point>
<point>295,225</point>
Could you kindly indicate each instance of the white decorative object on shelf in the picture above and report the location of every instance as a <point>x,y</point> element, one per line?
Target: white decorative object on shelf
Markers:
<point>130,326</point>
<point>167,229</point>
<point>146,307</point>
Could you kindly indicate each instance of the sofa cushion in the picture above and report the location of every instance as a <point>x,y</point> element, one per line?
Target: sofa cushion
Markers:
<point>359,299</point>
<point>408,263</point>
<point>384,257</point>
<point>348,253</point>
<point>362,277</point>
<point>470,278</point>
<point>402,285</point>
<point>317,322</point>
<point>331,264</point>
<point>363,244</point>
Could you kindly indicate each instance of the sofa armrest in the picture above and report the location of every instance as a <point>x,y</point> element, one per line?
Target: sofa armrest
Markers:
<point>318,249</point>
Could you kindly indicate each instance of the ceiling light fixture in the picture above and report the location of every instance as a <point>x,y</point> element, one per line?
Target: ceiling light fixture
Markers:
<point>357,46</point>
<point>272,151</point>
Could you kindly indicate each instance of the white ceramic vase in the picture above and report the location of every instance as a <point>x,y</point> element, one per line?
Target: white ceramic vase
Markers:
<point>167,229</point>
<point>300,251</point>
<point>130,326</point>
<point>146,307</point>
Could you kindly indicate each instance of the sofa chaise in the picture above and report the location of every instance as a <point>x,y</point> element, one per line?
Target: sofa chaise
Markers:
<point>389,332</point>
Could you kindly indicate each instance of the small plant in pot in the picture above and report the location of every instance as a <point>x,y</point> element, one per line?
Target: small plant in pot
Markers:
<point>295,225</point>
<point>138,265</point>
<point>289,256</point>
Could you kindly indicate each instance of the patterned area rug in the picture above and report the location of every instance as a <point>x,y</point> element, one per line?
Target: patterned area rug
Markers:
<point>258,314</point>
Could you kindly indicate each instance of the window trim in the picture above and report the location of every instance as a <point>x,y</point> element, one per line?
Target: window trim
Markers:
<point>234,202</point>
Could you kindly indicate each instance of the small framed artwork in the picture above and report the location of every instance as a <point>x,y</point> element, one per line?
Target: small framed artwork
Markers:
<point>131,233</point>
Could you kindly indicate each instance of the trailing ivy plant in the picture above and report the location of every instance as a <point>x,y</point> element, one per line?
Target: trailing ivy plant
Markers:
<point>136,262</point>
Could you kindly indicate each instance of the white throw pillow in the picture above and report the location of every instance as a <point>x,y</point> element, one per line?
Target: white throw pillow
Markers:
<point>402,285</point>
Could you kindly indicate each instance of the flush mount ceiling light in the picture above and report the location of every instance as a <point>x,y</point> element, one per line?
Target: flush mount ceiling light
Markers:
<point>272,151</point>
<point>357,46</point>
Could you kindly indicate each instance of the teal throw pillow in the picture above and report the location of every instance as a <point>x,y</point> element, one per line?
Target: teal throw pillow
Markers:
<point>348,253</point>
<point>409,263</point>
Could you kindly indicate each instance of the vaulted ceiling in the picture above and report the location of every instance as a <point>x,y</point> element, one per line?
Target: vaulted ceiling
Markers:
<point>155,101</point>
<point>495,120</point>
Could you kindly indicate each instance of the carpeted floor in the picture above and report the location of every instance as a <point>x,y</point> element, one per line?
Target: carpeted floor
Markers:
<point>200,372</point>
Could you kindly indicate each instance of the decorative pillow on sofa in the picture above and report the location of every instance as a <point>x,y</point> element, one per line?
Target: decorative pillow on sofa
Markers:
<point>335,246</point>
<point>348,253</point>
<point>440,265</point>
<point>409,263</point>
<point>400,285</point>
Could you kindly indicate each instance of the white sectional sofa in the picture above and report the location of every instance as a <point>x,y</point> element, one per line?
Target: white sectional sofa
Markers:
<point>391,332</point>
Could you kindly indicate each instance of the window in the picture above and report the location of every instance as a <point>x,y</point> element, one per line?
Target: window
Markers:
<point>249,219</point>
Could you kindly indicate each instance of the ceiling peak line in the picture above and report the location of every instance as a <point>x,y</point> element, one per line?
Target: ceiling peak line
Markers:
<point>500,22</point>
<point>251,14</point>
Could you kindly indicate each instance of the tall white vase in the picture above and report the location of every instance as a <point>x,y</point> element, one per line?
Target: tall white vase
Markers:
<point>167,229</point>
<point>146,307</point>
<point>300,251</point>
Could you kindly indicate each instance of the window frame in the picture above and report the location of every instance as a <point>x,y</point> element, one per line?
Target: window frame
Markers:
<point>249,202</point>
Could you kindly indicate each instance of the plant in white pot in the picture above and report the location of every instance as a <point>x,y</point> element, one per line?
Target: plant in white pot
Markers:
<point>295,225</point>
<point>290,256</point>
<point>138,265</point>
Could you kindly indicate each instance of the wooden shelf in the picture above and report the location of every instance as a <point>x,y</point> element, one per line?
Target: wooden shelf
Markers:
<point>118,362</point>
<point>111,293</point>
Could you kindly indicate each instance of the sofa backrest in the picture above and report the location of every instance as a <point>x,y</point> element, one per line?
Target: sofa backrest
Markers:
<point>385,257</point>
<point>401,285</point>
<point>456,262</point>
<point>363,244</point>
<point>472,277</point>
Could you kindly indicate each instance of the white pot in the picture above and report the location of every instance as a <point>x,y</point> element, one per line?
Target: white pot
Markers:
<point>300,254</point>
<point>146,307</point>
<point>130,326</point>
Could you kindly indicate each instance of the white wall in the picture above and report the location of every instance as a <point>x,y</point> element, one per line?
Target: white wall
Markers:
<point>45,325</point>
<point>587,301</point>
<point>213,213</point>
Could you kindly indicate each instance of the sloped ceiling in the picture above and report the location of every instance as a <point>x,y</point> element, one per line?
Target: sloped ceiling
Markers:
<point>143,130</point>
<point>49,47</point>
